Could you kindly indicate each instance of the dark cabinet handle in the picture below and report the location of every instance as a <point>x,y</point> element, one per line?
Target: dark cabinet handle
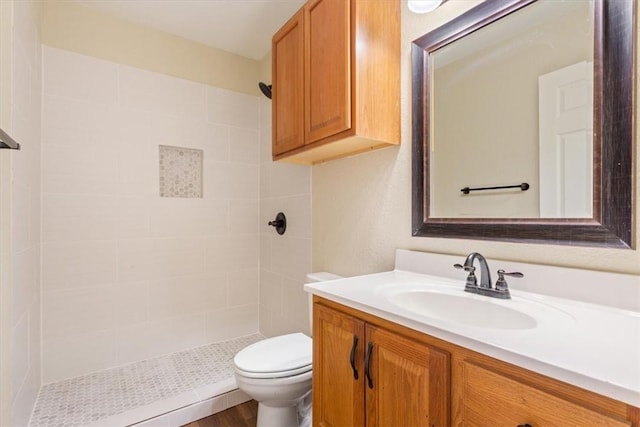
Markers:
<point>525,425</point>
<point>352,357</point>
<point>367,363</point>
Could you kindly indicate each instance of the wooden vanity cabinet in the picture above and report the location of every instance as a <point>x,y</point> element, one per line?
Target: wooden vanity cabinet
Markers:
<point>336,80</point>
<point>365,375</point>
<point>419,380</point>
<point>338,395</point>
<point>490,397</point>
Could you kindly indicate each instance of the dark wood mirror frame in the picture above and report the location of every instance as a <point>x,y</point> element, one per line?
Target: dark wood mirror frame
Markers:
<point>613,142</point>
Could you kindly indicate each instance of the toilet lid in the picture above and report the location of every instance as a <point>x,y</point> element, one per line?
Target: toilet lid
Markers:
<point>285,354</point>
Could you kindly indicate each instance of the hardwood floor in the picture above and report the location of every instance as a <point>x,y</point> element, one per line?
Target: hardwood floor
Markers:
<point>244,415</point>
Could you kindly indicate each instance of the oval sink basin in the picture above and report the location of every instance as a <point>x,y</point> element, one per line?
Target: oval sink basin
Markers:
<point>444,302</point>
<point>459,308</point>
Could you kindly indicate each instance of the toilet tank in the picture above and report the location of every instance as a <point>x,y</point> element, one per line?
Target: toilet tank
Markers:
<point>320,276</point>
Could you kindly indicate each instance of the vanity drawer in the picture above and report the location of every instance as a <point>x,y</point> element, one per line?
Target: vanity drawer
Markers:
<point>492,399</point>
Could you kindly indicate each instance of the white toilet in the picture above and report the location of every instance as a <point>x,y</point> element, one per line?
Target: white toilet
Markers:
<point>276,372</point>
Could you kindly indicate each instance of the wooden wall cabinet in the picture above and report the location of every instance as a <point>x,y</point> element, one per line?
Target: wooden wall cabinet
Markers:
<point>365,375</point>
<point>288,100</point>
<point>419,380</point>
<point>336,80</point>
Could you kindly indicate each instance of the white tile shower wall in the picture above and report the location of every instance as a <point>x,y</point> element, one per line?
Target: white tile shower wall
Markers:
<point>126,274</point>
<point>26,195</point>
<point>284,260</point>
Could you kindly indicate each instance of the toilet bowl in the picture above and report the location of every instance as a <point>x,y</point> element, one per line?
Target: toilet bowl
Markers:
<point>276,372</point>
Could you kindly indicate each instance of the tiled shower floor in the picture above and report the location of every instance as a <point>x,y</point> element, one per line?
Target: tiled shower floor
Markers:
<point>114,397</point>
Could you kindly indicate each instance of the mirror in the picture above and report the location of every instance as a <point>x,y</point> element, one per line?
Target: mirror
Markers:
<point>493,111</point>
<point>534,98</point>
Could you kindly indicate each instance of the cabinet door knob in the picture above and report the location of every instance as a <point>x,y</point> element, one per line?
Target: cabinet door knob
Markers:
<point>352,357</point>
<point>367,363</point>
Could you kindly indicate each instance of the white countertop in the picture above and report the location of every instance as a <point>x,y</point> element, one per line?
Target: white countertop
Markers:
<point>590,346</point>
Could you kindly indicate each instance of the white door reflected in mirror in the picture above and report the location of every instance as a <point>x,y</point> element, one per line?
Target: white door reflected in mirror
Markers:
<point>566,142</point>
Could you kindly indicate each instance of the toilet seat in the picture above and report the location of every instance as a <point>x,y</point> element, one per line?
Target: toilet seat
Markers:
<point>274,379</point>
<point>278,357</point>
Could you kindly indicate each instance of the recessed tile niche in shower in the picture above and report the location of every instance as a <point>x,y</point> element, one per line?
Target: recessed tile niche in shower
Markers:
<point>180,172</point>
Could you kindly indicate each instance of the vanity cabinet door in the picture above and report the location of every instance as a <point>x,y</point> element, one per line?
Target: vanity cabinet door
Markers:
<point>380,379</point>
<point>288,86</point>
<point>407,382</point>
<point>490,398</point>
<point>338,384</point>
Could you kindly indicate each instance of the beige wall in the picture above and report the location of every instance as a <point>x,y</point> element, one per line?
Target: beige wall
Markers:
<point>80,29</point>
<point>362,205</point>
<point>20,193</point>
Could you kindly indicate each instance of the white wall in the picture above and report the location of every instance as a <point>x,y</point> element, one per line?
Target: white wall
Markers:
<point>362,205</point>
<point>20,70</point>
<point>126,274</point>
<point>284,259</point>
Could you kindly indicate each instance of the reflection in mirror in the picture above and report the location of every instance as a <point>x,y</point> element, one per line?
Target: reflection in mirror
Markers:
<point>512,103</point>
<point>531,94</point>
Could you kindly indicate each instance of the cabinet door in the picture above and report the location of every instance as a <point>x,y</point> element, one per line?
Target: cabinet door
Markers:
<point>338,396</point>
<point>492,399</point>
<point>288,86</point>
<point>327,68</point>
<point>409,382</point>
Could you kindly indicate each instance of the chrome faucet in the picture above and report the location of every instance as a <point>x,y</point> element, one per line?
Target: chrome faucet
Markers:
<point>485,274</point>
<point>501,290</point>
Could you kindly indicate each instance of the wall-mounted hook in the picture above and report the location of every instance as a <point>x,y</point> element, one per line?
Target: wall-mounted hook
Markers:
<point>280,223</point>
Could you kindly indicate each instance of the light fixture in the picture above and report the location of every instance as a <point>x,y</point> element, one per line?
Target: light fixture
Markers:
<point>423,6</point>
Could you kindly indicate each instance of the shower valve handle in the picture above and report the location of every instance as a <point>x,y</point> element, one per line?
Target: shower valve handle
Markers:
<point>280,223</point>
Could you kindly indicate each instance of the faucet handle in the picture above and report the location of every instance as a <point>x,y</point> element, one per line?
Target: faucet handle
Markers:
<point>469,268</point>
<point>502,273</point>
<point>501,283</point>
<point>472,281</point>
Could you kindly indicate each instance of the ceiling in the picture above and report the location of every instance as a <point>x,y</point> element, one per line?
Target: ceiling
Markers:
<point>243,27</point>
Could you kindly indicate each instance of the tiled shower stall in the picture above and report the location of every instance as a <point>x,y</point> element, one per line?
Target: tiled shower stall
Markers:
<point>128,274</point>
<point>155,201</point>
